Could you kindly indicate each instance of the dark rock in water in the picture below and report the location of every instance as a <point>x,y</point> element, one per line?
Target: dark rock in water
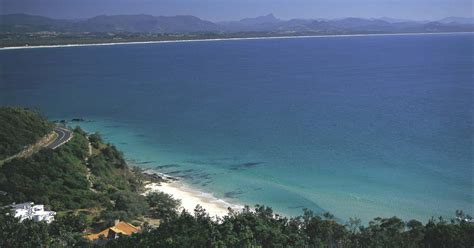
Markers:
<point>245,165</point>
<point>204,176</point>
<point>174,172</point>
<point>189,173</point>
<point>146,162</point>
<point>200,162</point>
<point>77,119</point>
<point>166,166</point>
<point>158,177</point>
<point>171,178</point>
<point>206,183</point>
<point>187,176</point>
<point>233,194</point>
<point>154,177</point>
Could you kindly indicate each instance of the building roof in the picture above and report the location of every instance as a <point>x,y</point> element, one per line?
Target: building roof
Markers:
<point>95,236</point>
<point>125,228</point>
<point>121,227</point>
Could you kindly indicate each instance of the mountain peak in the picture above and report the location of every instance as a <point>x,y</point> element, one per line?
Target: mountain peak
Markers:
<point>270,18</point>
<point>460,20</point>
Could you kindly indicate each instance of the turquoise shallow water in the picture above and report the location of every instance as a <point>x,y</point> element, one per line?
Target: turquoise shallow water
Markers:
<point>359,126</point>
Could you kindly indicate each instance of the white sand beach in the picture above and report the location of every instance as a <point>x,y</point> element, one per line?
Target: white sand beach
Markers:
<point>191,197</point>
<point>221,39</point>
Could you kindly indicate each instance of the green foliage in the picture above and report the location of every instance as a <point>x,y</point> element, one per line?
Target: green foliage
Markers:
<point>69,178</point>
<point>261,227</point>
<point>393,232</point>
<point>37,234</point>
<point>95,140</point>
<point>52,177</point>
<point>440,234</point>
<point>163,206</point>
<point>109,168</point>
<point>69,222</point>
<point>130,204</point>
<point>19,128</point>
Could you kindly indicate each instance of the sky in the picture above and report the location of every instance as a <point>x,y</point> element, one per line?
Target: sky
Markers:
<point>225,10</point>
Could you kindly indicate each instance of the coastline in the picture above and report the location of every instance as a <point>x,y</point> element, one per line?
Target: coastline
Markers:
<point>190,197</point>
<point>178,188</point>
<point>223,39</point>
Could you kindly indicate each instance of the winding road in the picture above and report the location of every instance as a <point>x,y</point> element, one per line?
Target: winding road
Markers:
<point>64,135</point>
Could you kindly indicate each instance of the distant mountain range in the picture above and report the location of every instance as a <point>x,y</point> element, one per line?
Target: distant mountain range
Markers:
<point>23,23</point>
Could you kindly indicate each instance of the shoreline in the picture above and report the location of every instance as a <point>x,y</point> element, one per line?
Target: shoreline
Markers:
<point>178,188</point>
<point>190,197</point>
<point>223,39</point>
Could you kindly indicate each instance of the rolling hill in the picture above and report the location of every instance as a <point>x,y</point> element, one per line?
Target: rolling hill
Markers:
<point>184,24</point>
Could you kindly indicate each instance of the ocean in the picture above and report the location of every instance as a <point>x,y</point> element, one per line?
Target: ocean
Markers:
<point>358,126</point>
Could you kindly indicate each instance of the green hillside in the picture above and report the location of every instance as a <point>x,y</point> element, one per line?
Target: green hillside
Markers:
<point>64,180</point>
<point>18,128</point>
<point>85,180</point>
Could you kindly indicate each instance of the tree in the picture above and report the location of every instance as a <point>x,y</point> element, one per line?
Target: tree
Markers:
<point>163,206</point>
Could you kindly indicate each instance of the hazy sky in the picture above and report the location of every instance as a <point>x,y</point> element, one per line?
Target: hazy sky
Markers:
<point>218,10</point>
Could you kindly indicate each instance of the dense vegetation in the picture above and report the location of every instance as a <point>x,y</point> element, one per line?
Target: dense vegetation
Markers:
<point>92,186</point>
<point>262,228</point>
<point>96,181</point>
<point>85,180</point>
<point>20,127</point>
<point>69,178</point>
<point>250,228</point>
<point>65,231</point>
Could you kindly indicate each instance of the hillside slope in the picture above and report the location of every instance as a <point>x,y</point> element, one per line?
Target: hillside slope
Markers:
<point>70,177</point>
<point>186,24</point>
<point>19,128</point>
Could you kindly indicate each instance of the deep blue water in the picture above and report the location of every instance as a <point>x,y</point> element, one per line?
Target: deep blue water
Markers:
<point>359,126</point>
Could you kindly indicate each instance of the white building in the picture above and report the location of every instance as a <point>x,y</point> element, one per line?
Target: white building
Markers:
<point>29,210</point>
